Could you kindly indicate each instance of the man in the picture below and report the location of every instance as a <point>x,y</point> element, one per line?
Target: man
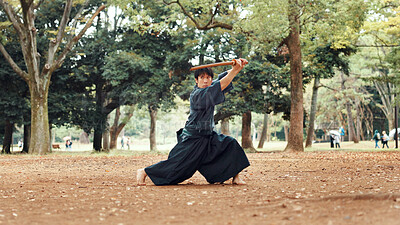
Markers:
<point>216,156</point>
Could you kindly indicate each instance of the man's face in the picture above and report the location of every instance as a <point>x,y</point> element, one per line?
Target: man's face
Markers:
<point>204,80</point>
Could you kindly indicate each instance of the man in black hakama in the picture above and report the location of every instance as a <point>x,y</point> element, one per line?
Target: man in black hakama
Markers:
<point>216,156</point>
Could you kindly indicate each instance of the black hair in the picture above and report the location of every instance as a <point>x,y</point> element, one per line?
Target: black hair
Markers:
<point>206,70</point>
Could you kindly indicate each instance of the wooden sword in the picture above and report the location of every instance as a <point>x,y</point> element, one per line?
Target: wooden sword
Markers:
<point>233,62</point>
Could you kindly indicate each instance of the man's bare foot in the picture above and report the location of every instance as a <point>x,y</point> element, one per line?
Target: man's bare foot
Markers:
<point>141,177</point>
<point>238,180</point>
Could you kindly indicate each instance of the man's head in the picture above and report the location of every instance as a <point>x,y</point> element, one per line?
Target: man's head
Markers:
<point>203,77</point>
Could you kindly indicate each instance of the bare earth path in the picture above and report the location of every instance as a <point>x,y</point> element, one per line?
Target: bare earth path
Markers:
<point>296,188</point>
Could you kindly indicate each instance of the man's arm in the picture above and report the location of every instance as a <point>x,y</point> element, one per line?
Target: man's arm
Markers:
<point>232,73</point>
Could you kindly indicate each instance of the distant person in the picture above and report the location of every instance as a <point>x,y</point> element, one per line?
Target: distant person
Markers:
<point>70,144</point>
<point>67,144</point>
<point>20,145</point>
<point>337,141</point>
<point>128,141</point>
<point>385,139</point>
<point>332,137</point>
<point>122,143</point>
<point>376,138</point>
<point>342,133</point>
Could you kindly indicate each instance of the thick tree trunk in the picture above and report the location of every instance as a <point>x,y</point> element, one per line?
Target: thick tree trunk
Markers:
<point>225,126</point>
<point>295,142</point>
<point>153,121</point>
<point>97,138</point>
<point>27,138</point>
<point>7,141</point>
<point>40,130</point>
<point>264,132</point>
<point>100,125</point>
<point>246,132</point>
<point>313,110</point>
<point>106,141</point>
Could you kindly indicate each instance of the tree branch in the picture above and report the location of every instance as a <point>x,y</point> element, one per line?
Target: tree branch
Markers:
<point>12,16</point>
<point>38,4</point>
<point>322,85</point>
<point>210,24</point>
<point>61,29</point>
<point>73,41</point>
<point>75,19</point>
<point>379,46</point>
<point>14,66</point>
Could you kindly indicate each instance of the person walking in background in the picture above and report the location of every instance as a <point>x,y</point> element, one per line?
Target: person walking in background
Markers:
<point>376,138</point>
<point>128,142</point>
<point>20,145</point>
<point>337,141</point>
<point>385,139</point>
<point>332,137</point>
<point>341,131</point>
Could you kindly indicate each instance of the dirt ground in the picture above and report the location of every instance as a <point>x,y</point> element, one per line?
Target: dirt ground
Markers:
<point>324,187</point>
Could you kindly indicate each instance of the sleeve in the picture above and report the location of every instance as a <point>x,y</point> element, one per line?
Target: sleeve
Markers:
<point>230,86</point>
<point>207,97</point>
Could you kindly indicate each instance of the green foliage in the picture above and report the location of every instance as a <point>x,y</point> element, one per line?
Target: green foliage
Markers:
<point>325,59</point>
<point>14,94</point>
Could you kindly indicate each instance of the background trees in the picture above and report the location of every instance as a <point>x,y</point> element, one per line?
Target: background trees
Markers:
<point>138,54</point>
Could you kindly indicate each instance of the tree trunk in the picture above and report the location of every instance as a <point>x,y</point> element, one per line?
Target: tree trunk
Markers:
<point>27,138</point>
<point>285,130</point>
<point>358,120</point>
<point>386,92</point>
<point>153,121</point>
<point>246,132</point>
<point>116,128</point>
<point>97,137</point>
<point>264,132</point>
<point>225,126</point>
<point>313,110</point>
<point>84,138</point>
<point>7,142</point>
<point>295,142</point>
<point>351,131</point>
<point>40,130</point>
<point>99,127</point>
<point>106,141</point>
<point>113,129</point>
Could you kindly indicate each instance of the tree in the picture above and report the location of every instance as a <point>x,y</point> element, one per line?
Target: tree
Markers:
<point>323,61</point>
<point>294,24</point>
<point>380,44</point>
<point>38,77</point>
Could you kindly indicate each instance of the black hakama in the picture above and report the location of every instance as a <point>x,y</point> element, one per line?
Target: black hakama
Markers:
<point>216,156</point>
